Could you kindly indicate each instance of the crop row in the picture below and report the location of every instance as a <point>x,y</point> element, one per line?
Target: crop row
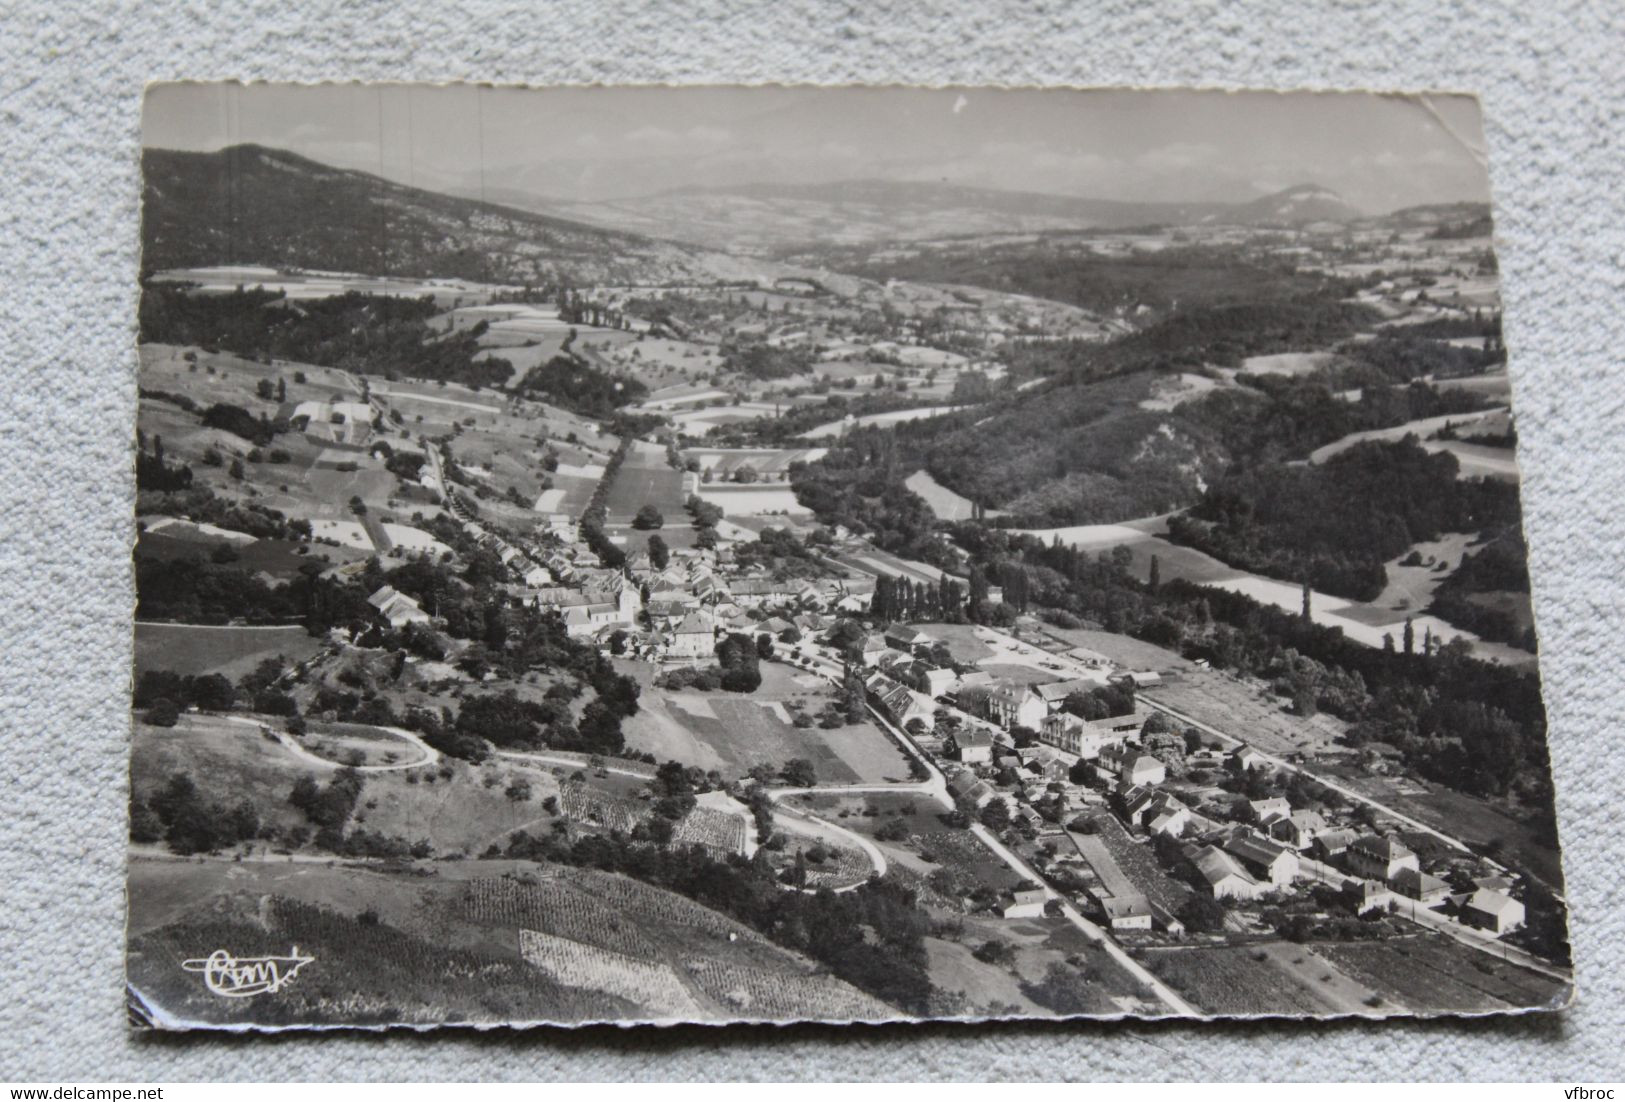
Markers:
<point>653,987</point>
<point>776,995</point>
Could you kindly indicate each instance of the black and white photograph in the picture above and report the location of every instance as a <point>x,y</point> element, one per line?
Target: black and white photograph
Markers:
<point>716,554</point>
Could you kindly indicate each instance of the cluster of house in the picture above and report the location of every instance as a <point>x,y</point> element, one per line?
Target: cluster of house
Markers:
<point>1249,860</point>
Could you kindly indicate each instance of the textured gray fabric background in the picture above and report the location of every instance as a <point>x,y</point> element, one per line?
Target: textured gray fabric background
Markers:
<point>70,91</point>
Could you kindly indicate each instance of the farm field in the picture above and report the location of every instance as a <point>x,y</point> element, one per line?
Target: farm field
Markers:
<point>946,504</point>
<point>1433,974</point>
<point>1364,622</point>
<point>872,560</point>
<point>734,733</point>
<point>753,500</point>
<point>1056,970</point>
<point>1243,709</point>
<point>645,479</point>
<point>1287,363</point>
<point>725,461</point>
<point>1276,978</point>
<point>894,417</point>
<point>1122,650</point>
<point>232,651</point>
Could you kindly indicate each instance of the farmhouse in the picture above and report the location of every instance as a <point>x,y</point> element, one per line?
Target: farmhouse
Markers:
<point>1421,886</point>
<point>1024,903</point>
<point>1298,829</point>
<point>1130,766</point>
<point>1224,876</point>
<point>905,638</point>
<point>927,679</point>
<point>901,705</point>
<point>695,637</point>
<point>1263,858</point>
<point>971,746</point>
<point>1267,811</point>
<point>1245,758</point>
<point>1492,911</point>
<point>1380,858</point>
<point>871,649</point>
<point>397,608</point>
<point>1332,843</point>
<point>965,784</point>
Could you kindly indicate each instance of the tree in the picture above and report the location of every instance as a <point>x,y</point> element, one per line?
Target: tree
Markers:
<point>996,814</point>
<point>1306,610</point>
<point>648,518</point>
<point>1409,637</point>
<point>659,553</point>
<point>799,773</point>
<point>854,701</point>
<point>1203,914</point>
<point>237,471</point>
<point>163,713</point>
<point>1155,580</point>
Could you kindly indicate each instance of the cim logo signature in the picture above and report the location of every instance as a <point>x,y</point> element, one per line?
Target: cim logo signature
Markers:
<point>241,977</point>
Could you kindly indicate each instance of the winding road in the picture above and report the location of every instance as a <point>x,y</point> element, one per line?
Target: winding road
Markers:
<point>288,743</point>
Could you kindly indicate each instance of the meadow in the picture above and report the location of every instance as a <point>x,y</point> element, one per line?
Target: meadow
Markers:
<point>232,651</point>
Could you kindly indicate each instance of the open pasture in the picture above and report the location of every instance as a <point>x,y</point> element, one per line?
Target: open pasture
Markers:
<point>232,651</point>
<point>723,462</point>
<point>645,479</point>
<point>755,499</point>
<point>732,733</point>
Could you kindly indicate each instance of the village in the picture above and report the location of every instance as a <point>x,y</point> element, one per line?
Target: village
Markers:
<point>710,636</point>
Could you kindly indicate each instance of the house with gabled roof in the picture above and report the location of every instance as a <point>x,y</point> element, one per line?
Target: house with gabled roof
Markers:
<point>1380,858</point>
<point>1493,911</point>
<point>1224,876</point>
<point>694,637</point>
<point>1268,810</point>
<point>967,785</point>
<point>1006,703</point>
<point>1129,765</point>
<point>1026,901</point>
<point>870,650</point>
<point>1423,887</point>
<point>906,638</point>
<point>971,745</point>
<point>396,608</point>
<point>1298,829</point>
<point>1333,843</point>
<point>1263,859</point>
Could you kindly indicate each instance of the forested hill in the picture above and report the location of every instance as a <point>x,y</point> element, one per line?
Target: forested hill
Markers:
<point>248,204</point>
<point>1144,424</point>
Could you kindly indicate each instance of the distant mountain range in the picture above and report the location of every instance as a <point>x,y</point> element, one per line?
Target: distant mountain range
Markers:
<point>761,218</point>
<point>248,204</point>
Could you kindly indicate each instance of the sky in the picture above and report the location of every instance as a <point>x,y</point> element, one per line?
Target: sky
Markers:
<point>1380,152</point>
